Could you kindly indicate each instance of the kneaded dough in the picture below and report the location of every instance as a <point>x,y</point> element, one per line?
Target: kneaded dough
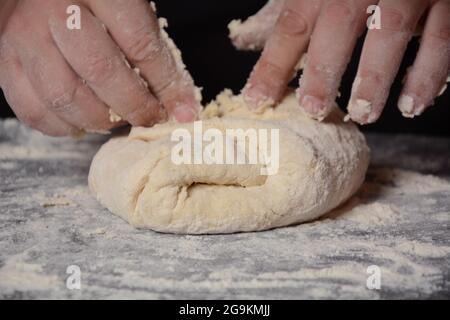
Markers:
<point>321,164</point>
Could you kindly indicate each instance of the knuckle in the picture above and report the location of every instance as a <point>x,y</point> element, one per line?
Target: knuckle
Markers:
<point>441,27</point>
<point>33,117</point>
<point>270,71</point>
<point>143,114</point>
<point>143,46</point>
<point>8,69</point>
<point>8,58</point>
<point>339,12</point>
<point>443,5</point>
<point>3,52</point>
<point>392,19</point>
<point>324,70</point>
<point>169,81</point>
<point>15,25</point>
<point>292,23</point>
<point>373,75</point>
<point>4,62</point>
<point>62,98</point>
<point>98,68</point>
<point>442,33</point>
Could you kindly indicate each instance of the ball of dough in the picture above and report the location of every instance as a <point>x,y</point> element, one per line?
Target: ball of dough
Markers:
<point>321,164</point>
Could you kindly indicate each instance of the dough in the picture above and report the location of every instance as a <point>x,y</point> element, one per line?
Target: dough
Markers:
<point>321,164</point>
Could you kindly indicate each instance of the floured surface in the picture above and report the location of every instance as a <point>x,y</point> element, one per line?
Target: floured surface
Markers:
<point>49,220</point>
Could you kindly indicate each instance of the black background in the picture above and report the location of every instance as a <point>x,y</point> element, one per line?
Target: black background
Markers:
<point>199,28</point>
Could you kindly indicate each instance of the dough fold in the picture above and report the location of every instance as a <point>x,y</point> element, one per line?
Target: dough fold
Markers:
<point>321,164</point>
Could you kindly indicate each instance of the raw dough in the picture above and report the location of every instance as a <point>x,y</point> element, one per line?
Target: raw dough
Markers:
<point>321,165</point>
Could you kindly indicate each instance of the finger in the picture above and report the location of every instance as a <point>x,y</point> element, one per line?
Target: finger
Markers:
<point>332,43</point>
<point>253,33</point>
<point>94,56</point>
<point>283,50</point>
<point>135,28</point>
<point>27,106</point>
<point>427,77</point>
<point>381,57</point>
<point>61,90</point>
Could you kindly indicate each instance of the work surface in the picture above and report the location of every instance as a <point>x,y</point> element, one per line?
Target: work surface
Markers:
<point>399,222</point>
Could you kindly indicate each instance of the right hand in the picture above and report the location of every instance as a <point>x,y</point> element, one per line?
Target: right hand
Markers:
<point>61,81</point>
<point>328,30</point>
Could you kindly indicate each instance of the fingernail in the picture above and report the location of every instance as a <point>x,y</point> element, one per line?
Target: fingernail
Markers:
<point>360,110</point>
<point>406,106</point>
<point>312,105</point>
<point>368,93</point>
<point>409,106</point>
<point>255,95</point>
<point>185,113</point>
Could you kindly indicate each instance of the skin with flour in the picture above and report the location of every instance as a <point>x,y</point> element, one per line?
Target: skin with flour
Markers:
<point>328,30</point>
<point>321,165</point>
<point>120,67</point>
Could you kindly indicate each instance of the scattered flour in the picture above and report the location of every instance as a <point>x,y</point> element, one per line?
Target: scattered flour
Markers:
<point>407,182</point>
<point>19,275</point>
<point>8,165</point>
<point>55,200</point>
<point>397,221</point>
<point>423,249</point>
<point>369,214</point>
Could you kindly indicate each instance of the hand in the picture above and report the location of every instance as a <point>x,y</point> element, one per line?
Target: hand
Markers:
<point>59,80</point>
<point>328,30</point>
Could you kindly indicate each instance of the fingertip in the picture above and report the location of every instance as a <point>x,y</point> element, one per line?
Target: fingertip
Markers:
<point>256,96</point>
<point>406,106</point>
<point>146,116</point>
<point>183,107</point>
<point>313,107</point>
<point>184,114</point>
<point>369,95</point>
<point>362,111</point>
